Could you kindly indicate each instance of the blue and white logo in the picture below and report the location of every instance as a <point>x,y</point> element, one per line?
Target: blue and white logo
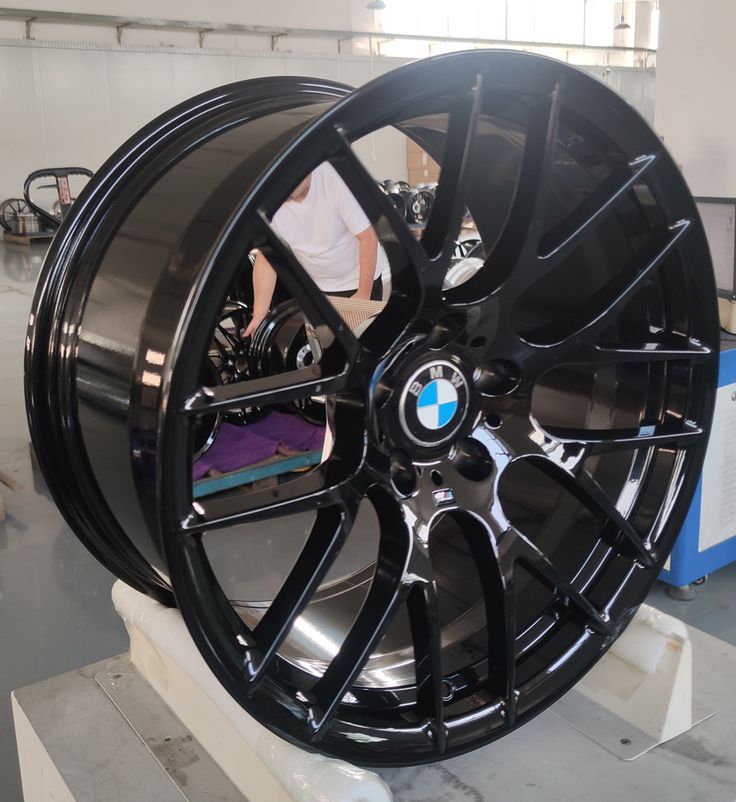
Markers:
<point>437,404</point>
<point>434,403</point>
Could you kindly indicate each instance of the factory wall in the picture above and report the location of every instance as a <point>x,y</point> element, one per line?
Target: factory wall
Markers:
<point>695,113</point>
<point>72,94</point>
<point>72,106</point>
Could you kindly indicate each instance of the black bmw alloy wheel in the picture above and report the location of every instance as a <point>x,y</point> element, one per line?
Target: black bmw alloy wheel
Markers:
<point>526,443</point>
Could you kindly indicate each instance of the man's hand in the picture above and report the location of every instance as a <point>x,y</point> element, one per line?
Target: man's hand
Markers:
<point>251,328</point>
<point>264,281</point>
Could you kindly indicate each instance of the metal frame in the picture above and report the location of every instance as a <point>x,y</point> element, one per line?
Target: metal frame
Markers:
<point>121,23</point>
<point>641,310</point>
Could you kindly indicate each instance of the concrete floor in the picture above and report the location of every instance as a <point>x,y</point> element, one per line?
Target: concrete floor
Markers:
<point>55,608</point>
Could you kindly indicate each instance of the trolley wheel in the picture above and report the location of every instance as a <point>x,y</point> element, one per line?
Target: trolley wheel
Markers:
<point>9,211</point>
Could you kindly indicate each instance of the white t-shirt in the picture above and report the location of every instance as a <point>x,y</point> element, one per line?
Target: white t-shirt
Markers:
<point>321,229</point>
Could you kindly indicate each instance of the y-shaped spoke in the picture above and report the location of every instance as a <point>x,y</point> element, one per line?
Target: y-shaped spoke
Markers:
<point>281,388</point>
<point>387,593</point>
<point>585,489</point>
<point>443,227</point>
<point>407,259</point>
<point>522,230</point>
<point>526,552</point>
<point>667,348</point>
<point>423,608</point>
<point>604,306</point>
<point>325,540</point>
<point>560,241</point>
<point>307,492</point>
<point>496,574</point>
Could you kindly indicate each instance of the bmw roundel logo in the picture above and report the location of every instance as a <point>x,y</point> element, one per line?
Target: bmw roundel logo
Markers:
<point>433,403</point>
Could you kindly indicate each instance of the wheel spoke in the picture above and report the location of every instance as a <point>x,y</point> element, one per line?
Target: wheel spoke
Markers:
<point>232,341</point>
<point>325,540</point>
<point>532,557</point>
<point>604,441</point>
<point>595,498</point>
<point>312,299</point>
<point>443,226</point>
<point>675,347</point>
<point>281,388</point>
<point>497,580</point>
<point>585,489</point>
<point>557,244</point>
<point>194,555</point>
<point>308,492</point>
<point>423,608</point>
<point>406,257</point>
<point>608,302</point>
<point>403,251</point>
<point>519,238</point>
<point>387,593</point>
<point>221,349</point>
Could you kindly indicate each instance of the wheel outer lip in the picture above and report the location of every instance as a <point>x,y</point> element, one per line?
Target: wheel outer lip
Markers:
<point>50,376</point>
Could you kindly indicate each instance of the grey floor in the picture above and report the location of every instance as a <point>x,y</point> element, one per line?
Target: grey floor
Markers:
<point>55,609</point>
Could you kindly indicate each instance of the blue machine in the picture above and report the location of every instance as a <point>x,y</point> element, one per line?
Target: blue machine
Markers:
<point>707,541</point>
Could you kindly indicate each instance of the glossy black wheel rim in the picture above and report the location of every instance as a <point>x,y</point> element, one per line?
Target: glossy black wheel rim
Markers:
<point>583,357</point>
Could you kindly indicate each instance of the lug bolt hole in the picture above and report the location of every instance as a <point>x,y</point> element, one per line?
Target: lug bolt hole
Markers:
<point>472,460</point>
<point>498,377</point>
<point>446,330</point>
<point>448,691</point>
<point>402,473</point>
<point>436,478</point>
<point>493,421</point>
<point>478,342</point>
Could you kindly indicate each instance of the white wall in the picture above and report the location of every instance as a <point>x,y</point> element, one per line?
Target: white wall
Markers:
<point>72,106</point>
<point>71,95</point>
<point>695,111</point>
<point>320,14</point>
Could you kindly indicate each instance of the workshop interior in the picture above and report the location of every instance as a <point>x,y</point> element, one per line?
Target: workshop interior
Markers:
<point>370,422</point>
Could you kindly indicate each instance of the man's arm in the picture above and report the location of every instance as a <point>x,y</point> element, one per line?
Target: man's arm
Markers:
<point>264,283</point>
<point>367,255</point>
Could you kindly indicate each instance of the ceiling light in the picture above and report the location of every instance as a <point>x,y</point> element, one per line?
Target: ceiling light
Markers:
<point>376,5</point>
<point>622,25</point>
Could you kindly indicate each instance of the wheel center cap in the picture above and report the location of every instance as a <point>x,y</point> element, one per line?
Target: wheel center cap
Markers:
<point>433,403</point>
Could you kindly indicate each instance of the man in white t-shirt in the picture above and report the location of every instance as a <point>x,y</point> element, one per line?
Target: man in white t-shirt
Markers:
<point>331,237</point>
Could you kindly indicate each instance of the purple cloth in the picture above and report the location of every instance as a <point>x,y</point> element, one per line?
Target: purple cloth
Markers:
<point>291,431</point>
<point>238,446</point>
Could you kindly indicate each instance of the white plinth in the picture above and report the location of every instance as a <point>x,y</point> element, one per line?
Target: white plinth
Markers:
<point>261,765</point>
<point>103,734</point>
<point>641,693</point>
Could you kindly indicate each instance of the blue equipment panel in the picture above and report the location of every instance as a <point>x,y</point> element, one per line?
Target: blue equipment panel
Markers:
<point>696,554</point>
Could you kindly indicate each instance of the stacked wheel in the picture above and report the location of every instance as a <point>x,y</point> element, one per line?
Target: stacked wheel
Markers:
<point>513,452</point>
